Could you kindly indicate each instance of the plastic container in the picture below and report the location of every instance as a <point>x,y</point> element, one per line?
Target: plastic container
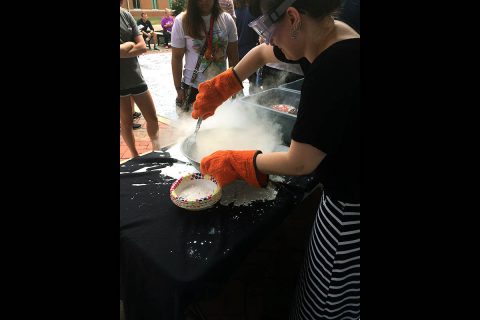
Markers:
<point>265,100</point>
<point>293,86</point>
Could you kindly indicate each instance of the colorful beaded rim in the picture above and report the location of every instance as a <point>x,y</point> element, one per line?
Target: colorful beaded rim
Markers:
<point>199,203</point>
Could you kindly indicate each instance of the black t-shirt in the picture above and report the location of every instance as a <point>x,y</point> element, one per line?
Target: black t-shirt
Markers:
<point>303,62</point>
<point>329,118</point>
<point>146,24</point>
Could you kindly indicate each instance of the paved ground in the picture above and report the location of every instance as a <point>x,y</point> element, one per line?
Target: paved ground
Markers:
<point>142,141</point>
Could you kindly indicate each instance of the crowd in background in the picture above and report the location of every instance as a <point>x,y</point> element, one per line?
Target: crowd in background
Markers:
<point>318,41</point>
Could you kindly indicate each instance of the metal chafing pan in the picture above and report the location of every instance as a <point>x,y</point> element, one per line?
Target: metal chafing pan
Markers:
<point>190,149</point>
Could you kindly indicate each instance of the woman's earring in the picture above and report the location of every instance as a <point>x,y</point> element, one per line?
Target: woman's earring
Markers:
<point>294,32</point>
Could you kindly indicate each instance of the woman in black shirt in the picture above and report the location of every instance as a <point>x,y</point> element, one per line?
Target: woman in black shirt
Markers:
<point>325,141</point>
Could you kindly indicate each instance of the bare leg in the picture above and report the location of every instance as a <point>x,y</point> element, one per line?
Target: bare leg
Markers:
<point>126,122</point>
<point>133,106</point>
<point>145,103</point>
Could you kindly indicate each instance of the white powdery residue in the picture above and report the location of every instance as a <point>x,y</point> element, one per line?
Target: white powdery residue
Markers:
<point>277,178</point>
<point>177,170</point>
<point>196,189</point>
<point>176,153</point>
<point>194,254</point>
<point>145,169</point>
<point>240,193</point>
<point>138,184</point>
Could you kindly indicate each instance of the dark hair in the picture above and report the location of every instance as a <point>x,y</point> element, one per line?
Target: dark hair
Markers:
<point>193,23</point>
<point>317,9</point>
<point>142,14</point>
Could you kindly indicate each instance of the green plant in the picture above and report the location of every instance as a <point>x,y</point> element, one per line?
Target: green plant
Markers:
<point>178,6</point>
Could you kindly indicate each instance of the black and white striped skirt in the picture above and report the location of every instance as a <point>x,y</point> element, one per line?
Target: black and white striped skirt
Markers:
<point>329,282</point>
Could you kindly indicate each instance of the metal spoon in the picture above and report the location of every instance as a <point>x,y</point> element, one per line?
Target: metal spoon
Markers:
<point>199,122</point>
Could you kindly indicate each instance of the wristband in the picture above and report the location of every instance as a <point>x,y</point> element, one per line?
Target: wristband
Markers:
<point>238,78</point>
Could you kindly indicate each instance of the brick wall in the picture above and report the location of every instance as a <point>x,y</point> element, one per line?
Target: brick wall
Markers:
<point>146,6</point>
<point>151,13</point>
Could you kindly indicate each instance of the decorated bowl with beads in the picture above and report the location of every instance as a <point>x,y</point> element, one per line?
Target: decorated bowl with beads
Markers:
<point>195,191</point>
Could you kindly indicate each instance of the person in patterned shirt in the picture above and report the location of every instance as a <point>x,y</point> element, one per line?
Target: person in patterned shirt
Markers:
<point>228,6</point>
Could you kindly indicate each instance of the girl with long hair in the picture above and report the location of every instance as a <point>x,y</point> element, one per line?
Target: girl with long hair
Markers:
<point>202,24</point>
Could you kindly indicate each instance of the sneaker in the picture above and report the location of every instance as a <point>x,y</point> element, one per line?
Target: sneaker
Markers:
<point>136,115</point>
<point>155,48</point>
<point>136,126</point>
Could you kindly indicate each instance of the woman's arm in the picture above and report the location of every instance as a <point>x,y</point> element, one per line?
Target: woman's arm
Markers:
<point>254,59</point>
<point>166,23</point>
<point>169,23</point>
<point>232,53</point>
<point>300,159</point>
<point>130,49</point>
<point>125,48</point>
<point>177,64</point>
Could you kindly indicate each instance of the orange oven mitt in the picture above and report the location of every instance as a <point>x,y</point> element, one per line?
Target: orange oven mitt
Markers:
<point>214,92</point>
<point>228,165</point>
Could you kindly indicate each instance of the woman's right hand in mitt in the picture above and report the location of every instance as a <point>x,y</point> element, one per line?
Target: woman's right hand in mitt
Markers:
<point>227,166</point>
<point>214,92</point>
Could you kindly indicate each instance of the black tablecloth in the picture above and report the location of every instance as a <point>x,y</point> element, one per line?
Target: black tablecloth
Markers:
<point>170,256</point>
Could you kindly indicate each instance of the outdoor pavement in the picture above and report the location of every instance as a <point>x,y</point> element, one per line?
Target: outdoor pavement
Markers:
<point>142,141</point>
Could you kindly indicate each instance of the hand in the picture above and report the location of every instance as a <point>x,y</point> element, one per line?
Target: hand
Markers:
<point>228,165</point>
<point>214,92</point>
<point>125,49</point>
<point>127,45</point>
<point>180,96</point>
